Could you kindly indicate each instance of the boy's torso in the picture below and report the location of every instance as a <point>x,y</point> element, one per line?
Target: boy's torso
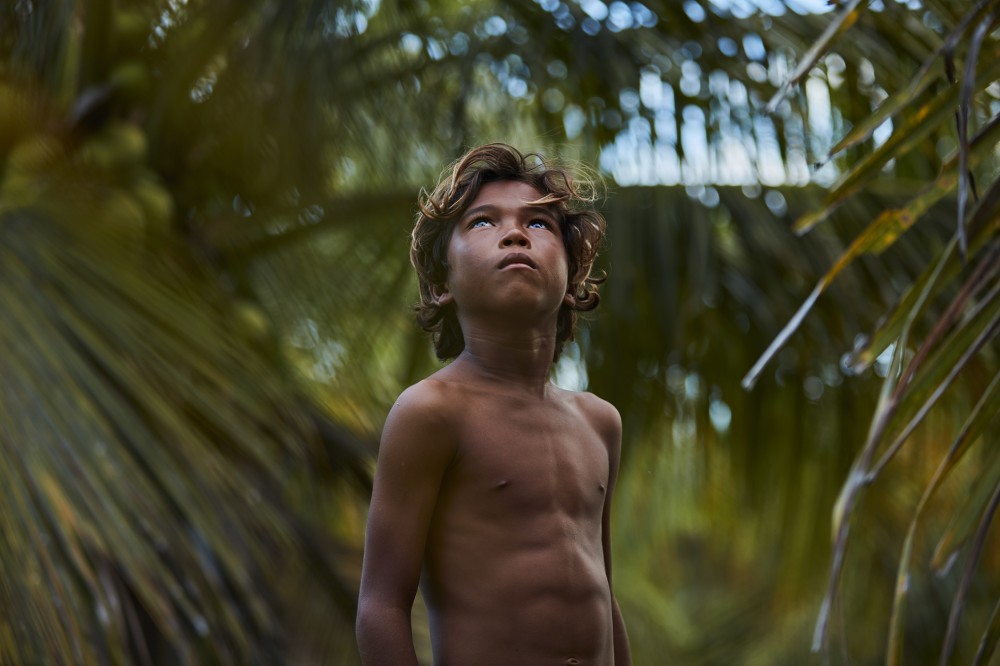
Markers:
<point>514,566</point>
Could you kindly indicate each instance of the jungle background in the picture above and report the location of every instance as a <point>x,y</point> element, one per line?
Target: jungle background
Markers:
<point>205,312</point>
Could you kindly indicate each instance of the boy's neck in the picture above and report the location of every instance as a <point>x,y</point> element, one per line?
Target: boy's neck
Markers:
<point>517,357</point>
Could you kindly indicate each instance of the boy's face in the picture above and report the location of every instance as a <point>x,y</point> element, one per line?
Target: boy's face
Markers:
<point>505,253</point>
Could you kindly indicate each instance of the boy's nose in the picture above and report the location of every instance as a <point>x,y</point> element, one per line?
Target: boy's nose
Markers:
<point>515,237</point>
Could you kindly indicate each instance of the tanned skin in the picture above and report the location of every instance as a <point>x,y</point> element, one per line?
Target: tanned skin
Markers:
<point>493,487</point>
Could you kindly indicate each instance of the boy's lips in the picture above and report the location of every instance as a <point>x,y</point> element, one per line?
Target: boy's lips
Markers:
<point>517,258</point>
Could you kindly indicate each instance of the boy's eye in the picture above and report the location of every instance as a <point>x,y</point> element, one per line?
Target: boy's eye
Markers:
<point>479,222</point>
<point>539,224</point>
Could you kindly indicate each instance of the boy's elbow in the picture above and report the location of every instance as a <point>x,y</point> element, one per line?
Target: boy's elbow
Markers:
<point>366,623</point>
<point>383,634</point>
<point>366,630</point>
<point>375,621</point>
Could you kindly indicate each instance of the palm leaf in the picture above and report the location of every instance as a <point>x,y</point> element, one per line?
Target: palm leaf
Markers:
<point>881,233</point>
<point>916,127</point>
<point>968,86</point>
<point>95,372</point>
<point>848,16</point>
<point>971,430</point>
<point>988,644</point>
<point>908,395</point>
<point>976,551</point>
<point>860,359</point>
<point>919,83</point>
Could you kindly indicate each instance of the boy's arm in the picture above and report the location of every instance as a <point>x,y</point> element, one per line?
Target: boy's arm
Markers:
<point>611,430</point>
<point>414,452</point>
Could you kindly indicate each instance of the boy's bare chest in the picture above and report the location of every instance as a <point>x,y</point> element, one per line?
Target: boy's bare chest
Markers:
<point>525,459</point>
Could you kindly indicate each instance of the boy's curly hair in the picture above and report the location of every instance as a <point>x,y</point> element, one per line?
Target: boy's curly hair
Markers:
<point>572,199</point>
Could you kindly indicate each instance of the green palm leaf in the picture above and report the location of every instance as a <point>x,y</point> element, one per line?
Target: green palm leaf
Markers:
<point>150,480</point>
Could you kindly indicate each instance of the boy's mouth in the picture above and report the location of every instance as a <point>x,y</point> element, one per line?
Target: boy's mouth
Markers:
<point>517,258</point>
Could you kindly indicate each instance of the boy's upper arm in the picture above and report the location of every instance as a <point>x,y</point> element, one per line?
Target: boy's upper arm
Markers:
<point>609,425</point>
<point>416,448</point>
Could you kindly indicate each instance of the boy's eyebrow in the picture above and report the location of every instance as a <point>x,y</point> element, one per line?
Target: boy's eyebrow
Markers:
<point>485,208</point>
<point>536,209</point>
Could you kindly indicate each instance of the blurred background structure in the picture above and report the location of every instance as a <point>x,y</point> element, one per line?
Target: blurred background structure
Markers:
<point>205,311</point>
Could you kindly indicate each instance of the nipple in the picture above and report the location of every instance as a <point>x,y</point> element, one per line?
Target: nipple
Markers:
<point>572,661</point>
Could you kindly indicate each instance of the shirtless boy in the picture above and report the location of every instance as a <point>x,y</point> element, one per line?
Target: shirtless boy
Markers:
<point>493,486</point>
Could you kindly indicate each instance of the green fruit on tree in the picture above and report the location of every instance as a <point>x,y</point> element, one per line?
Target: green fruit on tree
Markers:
<point>131,78</point>
<point>119,146</point>
<point>96,154</point>
<point>131,30</point>
<point>128,143</point>
<point>35,155</point>
<point>156,202</point>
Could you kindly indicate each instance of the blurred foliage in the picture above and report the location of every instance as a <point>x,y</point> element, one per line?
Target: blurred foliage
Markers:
<point>203,213</point>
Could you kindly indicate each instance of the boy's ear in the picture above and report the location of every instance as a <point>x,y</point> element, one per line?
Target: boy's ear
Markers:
<point>441,295</point>
<point>569,299</point>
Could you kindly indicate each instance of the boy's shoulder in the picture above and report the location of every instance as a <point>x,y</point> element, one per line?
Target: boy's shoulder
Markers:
<point>428,399</point>
<point>421,423</point>
<point>601,414</point>
<point>434,403</point>
<point>592,403</point>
